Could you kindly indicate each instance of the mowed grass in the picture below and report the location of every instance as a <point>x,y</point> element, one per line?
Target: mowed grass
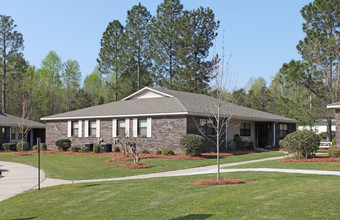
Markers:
<point>265,196</point>
<point>77,166</point>
<point>332,166</point>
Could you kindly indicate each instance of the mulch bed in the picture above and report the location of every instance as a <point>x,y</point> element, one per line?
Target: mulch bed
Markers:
<point>133,166</point>
<point>222,181</point>
<point>23,153</point>
<point>318,159</point>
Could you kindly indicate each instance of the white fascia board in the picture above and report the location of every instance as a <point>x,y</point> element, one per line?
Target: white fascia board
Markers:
<point>333,106</point>
<point>142,90</point>
<point>115,116</point>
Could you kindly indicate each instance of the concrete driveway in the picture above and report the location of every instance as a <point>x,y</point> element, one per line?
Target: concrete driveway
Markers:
<point>17,178</point>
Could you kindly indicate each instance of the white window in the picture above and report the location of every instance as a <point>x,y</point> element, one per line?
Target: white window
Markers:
<point>92,128</point>
<point>75,128</point>
<point>142,127</point>
<point>121,125</point>
<point>283,130</point>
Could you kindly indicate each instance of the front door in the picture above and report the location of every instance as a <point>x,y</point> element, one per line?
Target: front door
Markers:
<point>262,134</point>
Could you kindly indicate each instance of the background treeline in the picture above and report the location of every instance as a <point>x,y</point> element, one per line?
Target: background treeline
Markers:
<point>171,50</point>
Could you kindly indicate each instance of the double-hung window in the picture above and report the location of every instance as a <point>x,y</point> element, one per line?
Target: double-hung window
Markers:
<point>283,130</point>
<point>121,127</point>
<point>92,128</point>
<point>75,128</point>
<point>207,126</point>
<point>245,129</point>
<point>142,127</point>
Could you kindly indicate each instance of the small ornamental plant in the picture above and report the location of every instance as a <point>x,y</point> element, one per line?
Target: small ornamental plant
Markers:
<point>193,144</point>
<point>63,144</point>
<point>168,151</point>
<point>304,144</point>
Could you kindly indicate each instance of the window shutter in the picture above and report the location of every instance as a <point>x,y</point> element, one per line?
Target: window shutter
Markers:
<point>149,120</point>
<point>69,128</point>
<point>98,128</point>
<point>80,128</point>
<point>127,127</point>
<point>114,127</point>
<point>135,127</point>
<point>86,128</point>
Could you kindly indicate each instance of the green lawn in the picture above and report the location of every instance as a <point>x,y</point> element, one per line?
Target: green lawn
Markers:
<point>74,167</point>
<point>333,166</point>
<point>265,196</point>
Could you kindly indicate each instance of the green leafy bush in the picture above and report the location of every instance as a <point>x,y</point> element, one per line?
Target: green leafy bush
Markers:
<point>23,146</point>
<point>242,143</point>
<point>96,148</point>
<point>304,143</point>
<point>159,152</point>
<point>193,144</point>
<point>43,146</point>
<point>116,149</point>
<point>323,135</point>
<point>84,150</point>
<point>75,148</point>
<point>334,140</point>
<point>333,151</point>
<point>63,144</point>
<point>9,146</point>
<point>168,151</point>
<point>145,151</point>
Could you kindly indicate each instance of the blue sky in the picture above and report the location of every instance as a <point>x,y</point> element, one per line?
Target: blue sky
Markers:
<point>260,35</point>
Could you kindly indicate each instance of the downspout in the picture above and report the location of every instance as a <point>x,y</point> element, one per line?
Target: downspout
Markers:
<point>274,131</point>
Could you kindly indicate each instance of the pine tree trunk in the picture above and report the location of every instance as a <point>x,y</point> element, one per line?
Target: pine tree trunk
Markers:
<point>4,85</point>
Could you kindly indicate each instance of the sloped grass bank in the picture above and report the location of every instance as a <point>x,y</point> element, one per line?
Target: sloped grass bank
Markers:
<point>264,196</point>
<point>79,166</point>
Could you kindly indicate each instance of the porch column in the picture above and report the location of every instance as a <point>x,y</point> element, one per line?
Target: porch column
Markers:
<point>31,138</point>
<point>274,140</point>
<point>226,135</point>
<point>10,135</point>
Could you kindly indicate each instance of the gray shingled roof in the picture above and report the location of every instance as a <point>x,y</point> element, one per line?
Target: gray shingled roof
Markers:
<point>7,120</point>
<point>180,102</point>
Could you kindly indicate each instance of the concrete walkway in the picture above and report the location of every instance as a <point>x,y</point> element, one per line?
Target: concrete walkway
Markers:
<point>17,178</point>
<point>53,182</point>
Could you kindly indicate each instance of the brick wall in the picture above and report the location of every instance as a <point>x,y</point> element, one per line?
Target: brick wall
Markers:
<point>337,124</point>
<point>166,133</point>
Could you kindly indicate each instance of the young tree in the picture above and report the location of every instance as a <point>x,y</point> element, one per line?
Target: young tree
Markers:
<point>11,43</point>
<point>50,80</point>
<point>197,30</point>
<point>93,85</point>
<point>71,79</point>
<point>138,40</point>
<point>164,41</point>
<point>111,52</point>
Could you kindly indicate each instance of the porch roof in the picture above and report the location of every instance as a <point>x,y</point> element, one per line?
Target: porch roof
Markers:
<point>7,120</point>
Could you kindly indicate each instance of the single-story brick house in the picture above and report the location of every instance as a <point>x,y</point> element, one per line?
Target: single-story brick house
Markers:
<point>157,118</point>
<point>9,129</point>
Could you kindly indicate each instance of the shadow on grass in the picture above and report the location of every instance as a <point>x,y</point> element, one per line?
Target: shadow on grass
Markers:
<point>89,185</point>
<point>25,218</point>
<point>193,216</point>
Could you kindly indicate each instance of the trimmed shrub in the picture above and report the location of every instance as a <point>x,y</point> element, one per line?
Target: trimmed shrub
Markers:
<point>9,146</point>
<point>116,149</point>
<point>304,143</point>
<point>96,148</point>
<point>168,151</point>
<point>84,150</point>
<point>43,146</point>
<point>242,143</point>
<point>159,152</point>
<point>74,148</point>
<point>23,146</point>
<point>323,135</point>
<point>145,151</point>
<point>193,144</point>
<point>333,151</point>
<point>63,144</point>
